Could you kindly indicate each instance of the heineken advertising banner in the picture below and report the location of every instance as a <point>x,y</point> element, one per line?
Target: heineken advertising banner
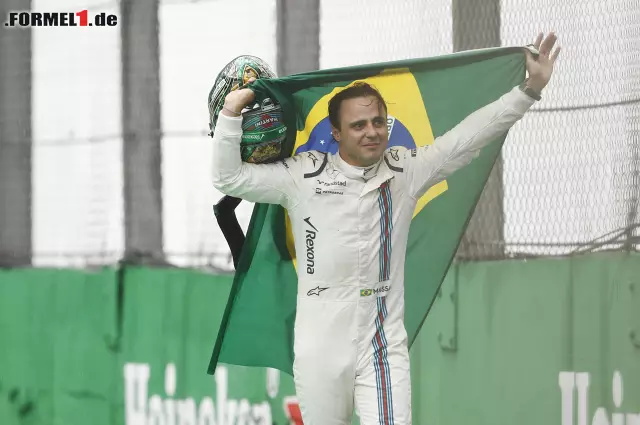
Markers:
<point>576,409</point>
<point>125,348</point>
<point>238,397</point>
<point>168,318</point>
<point>516,342</point>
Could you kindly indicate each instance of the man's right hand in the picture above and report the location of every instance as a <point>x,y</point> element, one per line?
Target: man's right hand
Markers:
<point>237,100</point>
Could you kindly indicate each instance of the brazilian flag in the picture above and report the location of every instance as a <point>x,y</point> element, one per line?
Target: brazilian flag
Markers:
<point>425,99</point>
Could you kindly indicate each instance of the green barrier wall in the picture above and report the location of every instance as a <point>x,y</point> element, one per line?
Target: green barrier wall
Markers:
<point>518,342</point>
<point>124,347</point>
<point>504,336</point>
<point>56,329</point>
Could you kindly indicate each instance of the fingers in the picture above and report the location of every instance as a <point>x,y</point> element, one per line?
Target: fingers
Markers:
<point>547,44</point>
<point>538,41</point>
<point>528,55</point>
<point>249,81</point>
<point>555,54</point>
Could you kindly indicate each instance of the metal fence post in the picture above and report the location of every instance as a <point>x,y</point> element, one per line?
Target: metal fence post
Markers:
<point>15,140</point>
<point>476,24</point>
<point>141,126</point>
<point>297,36</point>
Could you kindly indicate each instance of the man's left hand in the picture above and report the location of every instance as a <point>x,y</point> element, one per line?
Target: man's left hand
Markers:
<point>540,68</point>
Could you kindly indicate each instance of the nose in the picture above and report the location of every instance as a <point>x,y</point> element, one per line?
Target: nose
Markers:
<point>371,131</point>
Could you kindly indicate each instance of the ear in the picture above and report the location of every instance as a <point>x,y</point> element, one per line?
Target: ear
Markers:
<point>335,133</point>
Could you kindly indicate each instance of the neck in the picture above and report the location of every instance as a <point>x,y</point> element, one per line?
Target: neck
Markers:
<point>347,159</point>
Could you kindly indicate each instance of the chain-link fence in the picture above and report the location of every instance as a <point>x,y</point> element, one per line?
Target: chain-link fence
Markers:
<point>77,205</point>
<point>572,168</point>
<point>568,180</point>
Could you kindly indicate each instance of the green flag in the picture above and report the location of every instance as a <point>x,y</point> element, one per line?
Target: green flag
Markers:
<point>425,99</point>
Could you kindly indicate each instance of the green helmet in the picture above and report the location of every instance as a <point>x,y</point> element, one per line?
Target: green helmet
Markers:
<point>262,125</point>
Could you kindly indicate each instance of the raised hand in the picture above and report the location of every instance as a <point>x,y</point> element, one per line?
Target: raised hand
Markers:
<point>540,68</point>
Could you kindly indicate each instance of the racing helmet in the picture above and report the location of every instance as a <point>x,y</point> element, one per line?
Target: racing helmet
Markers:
<point>263,129</point>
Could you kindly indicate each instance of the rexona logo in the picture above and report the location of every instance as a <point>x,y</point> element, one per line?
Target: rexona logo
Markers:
<point>144,409</point>
<point>579,413</point>
<point>310,238</point>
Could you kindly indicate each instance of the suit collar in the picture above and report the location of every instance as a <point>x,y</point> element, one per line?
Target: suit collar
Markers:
<point>380,171</point>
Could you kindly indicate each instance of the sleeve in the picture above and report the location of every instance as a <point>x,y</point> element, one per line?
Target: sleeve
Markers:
<point>429,165</point>
<point>272,183</point>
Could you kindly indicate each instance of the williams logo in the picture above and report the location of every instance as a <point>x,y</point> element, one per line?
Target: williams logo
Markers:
<point>330,184</point>
<point>310,242</point>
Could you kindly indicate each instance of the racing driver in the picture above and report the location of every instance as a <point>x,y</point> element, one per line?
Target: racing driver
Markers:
<point>350,343</point>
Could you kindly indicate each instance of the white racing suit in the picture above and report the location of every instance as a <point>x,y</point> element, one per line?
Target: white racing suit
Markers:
<point>350,227</point>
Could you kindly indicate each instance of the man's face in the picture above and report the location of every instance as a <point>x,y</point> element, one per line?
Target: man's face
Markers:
<point>363,134</point>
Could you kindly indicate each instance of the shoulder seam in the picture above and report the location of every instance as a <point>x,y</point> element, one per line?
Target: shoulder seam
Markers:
<point>319,170</point>
<point>392,167</point>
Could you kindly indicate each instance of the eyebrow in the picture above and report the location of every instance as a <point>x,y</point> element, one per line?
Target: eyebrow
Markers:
<point>377,117</point>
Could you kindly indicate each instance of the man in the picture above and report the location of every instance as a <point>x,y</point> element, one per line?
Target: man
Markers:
<point>350,343</point>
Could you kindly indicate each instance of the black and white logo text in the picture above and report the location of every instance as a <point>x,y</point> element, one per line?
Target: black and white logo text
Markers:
<point>60,19</point>
<point>310,238</point>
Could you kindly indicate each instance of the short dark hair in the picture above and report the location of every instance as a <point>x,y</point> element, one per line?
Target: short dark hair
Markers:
<point>359,89</point>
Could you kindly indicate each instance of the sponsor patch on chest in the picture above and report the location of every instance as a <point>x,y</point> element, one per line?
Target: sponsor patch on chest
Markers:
<point>332,187</point>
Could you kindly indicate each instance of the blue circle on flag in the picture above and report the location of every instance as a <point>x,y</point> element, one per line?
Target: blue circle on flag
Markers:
<point>322,140</point>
